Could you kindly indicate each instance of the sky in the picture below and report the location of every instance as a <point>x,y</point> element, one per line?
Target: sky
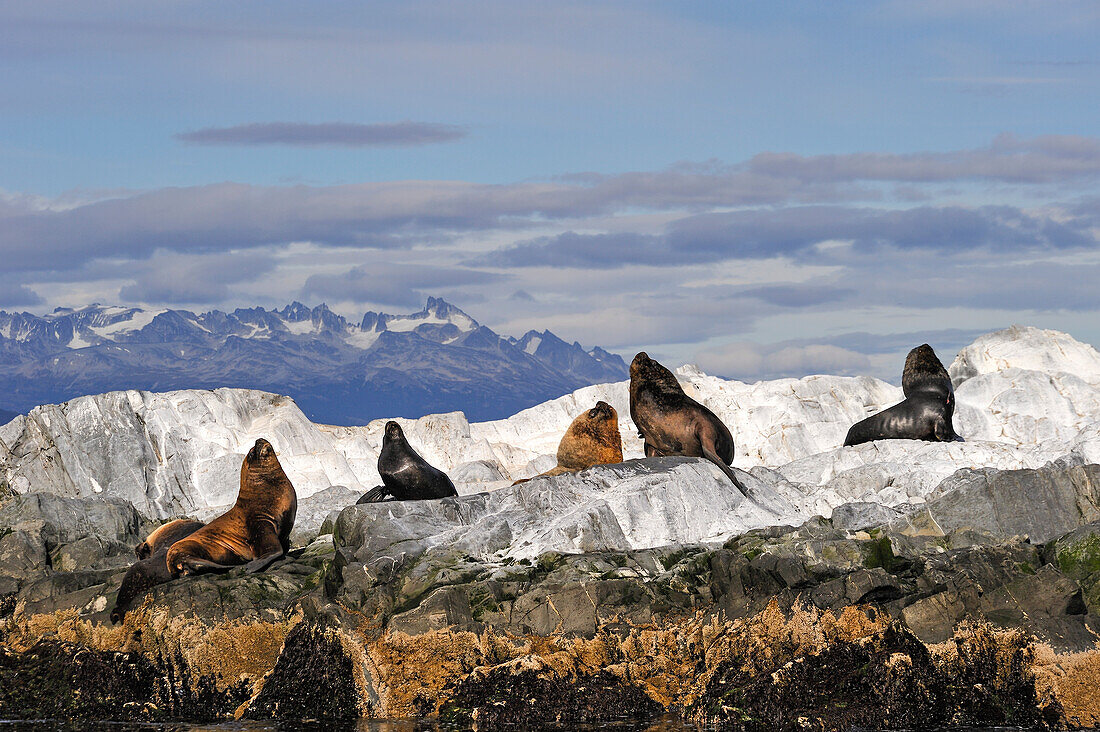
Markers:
<point>765,189</point>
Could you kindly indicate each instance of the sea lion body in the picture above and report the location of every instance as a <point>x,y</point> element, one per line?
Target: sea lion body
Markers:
<point>405,475</point>
<point>165,536</point>
<point>152,567</point>
<point>592,439</point>
<point>256,531</point>
<point>672,423</point>
<point>923,416</point>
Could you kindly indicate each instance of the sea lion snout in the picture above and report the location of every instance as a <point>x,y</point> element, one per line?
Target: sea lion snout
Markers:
<point>262,449</point>
<point>394,431</point>
<point>602,409</point>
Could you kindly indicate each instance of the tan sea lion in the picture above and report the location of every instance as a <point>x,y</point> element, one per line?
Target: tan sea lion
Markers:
<point>255,532</point>
<point>672,423</point>
<point>405,475</point>
<point>165,536</point>
<point>152,568</point>
<point>592,439</point>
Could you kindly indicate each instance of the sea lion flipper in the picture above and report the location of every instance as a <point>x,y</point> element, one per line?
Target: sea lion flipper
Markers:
<point>195,565</point>
<point>709,455</point>
<point>374,495</point>
<point>262,563</point>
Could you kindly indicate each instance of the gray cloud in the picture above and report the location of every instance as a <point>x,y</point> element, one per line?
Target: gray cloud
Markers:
<point>797,296</point>
<point>1009,159</point>
<point>175,279</point>
<point>403,214</point>
<point>764,233</point>
<point>392,284</point>
<point>18,296</point>
<point>326,134</point>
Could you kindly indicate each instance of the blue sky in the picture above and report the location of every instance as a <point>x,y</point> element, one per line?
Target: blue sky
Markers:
<point>767,188</point>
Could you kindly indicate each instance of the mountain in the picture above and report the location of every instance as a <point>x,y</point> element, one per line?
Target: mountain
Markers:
<point>340,372</point>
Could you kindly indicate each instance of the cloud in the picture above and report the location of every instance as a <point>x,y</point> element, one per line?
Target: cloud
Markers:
<point>18,296</point>
<point>765,233</point>
<point>404,214</point>
<point>1009,158</point>
<point>392,284</point>
<point>326,134</point>
<point>797,296</point>
<point>176,279</point>
<point>753,361</point>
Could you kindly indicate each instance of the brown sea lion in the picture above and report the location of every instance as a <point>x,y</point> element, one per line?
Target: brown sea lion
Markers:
<point>672,423</point>
<point>592,439</point>
<point>405,475</point>
<point>924,372</point>
<point>255,532</point>
<point>165,536</point>
<point>152,568</point>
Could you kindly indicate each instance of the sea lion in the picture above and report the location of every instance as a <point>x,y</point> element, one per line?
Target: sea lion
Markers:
<point>152,568</point>
<point>255,532</point>
<point>405,475</point>
<point>925,373</point>
<point>165,536</point>
<point>923,416</point>
<point>672,423</point>
<point>592,439</point>
<point>926,412</point>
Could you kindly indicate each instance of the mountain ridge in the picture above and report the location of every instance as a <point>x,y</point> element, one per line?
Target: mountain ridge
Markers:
<point>341,372</point>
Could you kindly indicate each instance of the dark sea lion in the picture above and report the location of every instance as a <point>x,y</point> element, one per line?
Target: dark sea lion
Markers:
<point>592,439</point>
<point>152,568</point>
<point>672,423</point>
<point>405,475</point>
<point>926,412</point>
<point>923,416</point>
<point>165,536</point>
<point>255,532</point>
<point>924,372</point>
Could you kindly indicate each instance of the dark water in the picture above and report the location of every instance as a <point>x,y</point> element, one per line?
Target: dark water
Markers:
<point>398,725</point>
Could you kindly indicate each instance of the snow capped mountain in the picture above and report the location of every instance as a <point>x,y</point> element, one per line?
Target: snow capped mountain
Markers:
<point>338,371</point>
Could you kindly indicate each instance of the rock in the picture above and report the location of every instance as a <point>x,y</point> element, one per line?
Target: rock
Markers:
<point>1077,555</point>
<point>862,515</point>
<point>478,471</point>
<point>314,679</point>
<point>1040,504</point>
<point>79,533</point>
<point>528,700</point>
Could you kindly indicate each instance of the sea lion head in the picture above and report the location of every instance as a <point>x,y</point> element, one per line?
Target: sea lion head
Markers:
<point>143,550</point>
<point>261,464</point>
<point>645,370</point>
<point>923,371</point>
<point>603,412</point>
<point>393,432</point>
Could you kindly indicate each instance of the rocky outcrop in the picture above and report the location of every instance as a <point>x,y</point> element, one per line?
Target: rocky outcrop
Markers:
<point>893,583</point>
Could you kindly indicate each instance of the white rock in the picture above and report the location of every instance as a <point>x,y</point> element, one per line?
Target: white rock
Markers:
<point>1024,397</point>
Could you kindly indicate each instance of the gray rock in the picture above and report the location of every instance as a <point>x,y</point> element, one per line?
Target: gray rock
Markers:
<point>313,511</point>
<point>1041,504</point>
<point>862,515</point>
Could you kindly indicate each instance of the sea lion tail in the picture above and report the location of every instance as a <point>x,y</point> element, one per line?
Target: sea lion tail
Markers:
<point>709,455</point>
